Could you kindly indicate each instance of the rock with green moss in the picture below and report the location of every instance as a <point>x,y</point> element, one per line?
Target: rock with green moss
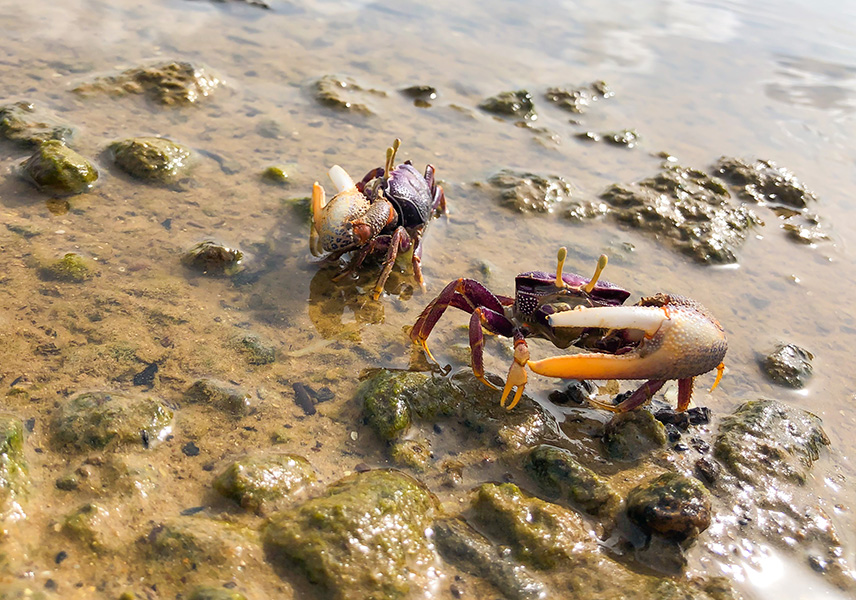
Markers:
<point>29,124</point>
<point>220,395</point>
<point>254,481</point>
<point>57,169</point>
<point>541,534</point>
<point>631,435</point>
<point>788,365</point>
<point>530,192</point>
<point>561,475</point>
<point>151,158</point>
<point>71,268</point>
<point>767,443</point>
<point>687,208</point>
<point>516,103</point>
<point>345,95</point>
<point>276,174</point>
<point>108,420</point>
<point>213,258</point>
<point>671,505</point>
<point>471,552</point>
<point>208,592</point>
<point>14,478</point>
<point>386,401</point>
<point>255,350</point>
<point>410,453</point>
<point>168,83</point>
<point>364,538</point>
<point>91,527</point>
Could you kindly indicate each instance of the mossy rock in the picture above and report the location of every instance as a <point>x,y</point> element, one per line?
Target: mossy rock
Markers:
<point>255,350</point>
<point>213,258</point>
<point>541,534</point>
<point>71,268</point>
<point>206,592</point>
<point>766,442</point>
<point>90,526</point>
<point>631,435</point>
<point>57,169</point>
<point>108,420</point>
<point>30,125</point>
<point>364,538</point>
<point>151,158</point>
<point>14,478</point>
<point>253,481</point>
<point>168,83</point>
<point>411,453</point>
<point>220,395</point>
<point>671,505</point>
<point>788,365</point>
<point>517,103</point>
<point>559,474</point>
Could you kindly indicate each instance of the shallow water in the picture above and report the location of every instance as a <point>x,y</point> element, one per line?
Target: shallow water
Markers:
<point>697,80</point>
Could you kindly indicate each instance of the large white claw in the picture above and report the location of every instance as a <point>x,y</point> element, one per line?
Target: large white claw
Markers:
<point>340,178</point>
<point>612,317</point>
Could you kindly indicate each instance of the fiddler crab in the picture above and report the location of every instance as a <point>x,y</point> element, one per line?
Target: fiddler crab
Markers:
<point>660,338</point>
<point>385,212</point>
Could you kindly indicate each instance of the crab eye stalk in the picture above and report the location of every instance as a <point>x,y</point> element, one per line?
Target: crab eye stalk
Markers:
<point>563,254</point>
<point>601,265</point>
<point>390,157</point>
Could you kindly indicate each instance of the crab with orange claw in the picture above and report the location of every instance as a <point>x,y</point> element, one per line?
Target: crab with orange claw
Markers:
<point>538,295</point>
<point>386,212</point>
<point>661,338</point>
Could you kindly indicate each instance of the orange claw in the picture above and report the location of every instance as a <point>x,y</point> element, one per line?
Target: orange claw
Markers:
<point>516,374</point>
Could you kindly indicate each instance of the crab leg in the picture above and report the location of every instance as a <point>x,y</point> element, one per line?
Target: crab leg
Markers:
<point>495,323</point>
<point>318,202</point>
<point>400,240</point>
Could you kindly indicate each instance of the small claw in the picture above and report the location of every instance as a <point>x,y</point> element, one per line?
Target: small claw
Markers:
<point>517,375</point>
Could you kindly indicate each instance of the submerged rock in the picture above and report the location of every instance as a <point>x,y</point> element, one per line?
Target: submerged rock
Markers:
<point>510,104</point>
<point>91,526</point>
<point>765,442</point>
<point>422,95</point>
<point>530,192</point>
<point>253,481</point>
<point>215,593</point>
<point>631,435</point>
<point>213,258</point>
<point>764,182</point>
<point>256,351</point>
<point>168,83</point>
<point>108,420</point>
<point>344,94</point>
<point>364,538</point>
<point>670,505</point>
<point>560,475</point>
<point>540,534</point>
<point>410,453</point>
<point>14,478</point>
<point>220,395</point>
<point>151,158</point>
<point>578,100</point>
<point>57,169</point>
<point>464,547</point>
<point>30,125</point>
<point>687,208</point>
<point>788,365</point>
<point>71,268</point>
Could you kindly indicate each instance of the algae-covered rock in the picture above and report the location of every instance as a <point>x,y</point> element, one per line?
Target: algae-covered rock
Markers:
<point>788,365</point>
<point>530,192</point>
<point>206,592</point>
<point>540,533</point>
<point>275,174</point>
<point>30,125</point>
<point>102,420</point>
<point>255,350</point>
<point>253,481</point>
<point>14,479</point>
<point>577,100</point>
<point>510,104</point>
<point>410,453</point>
<point>151,158</point>
<point>764,182</point>
<point>671,505</point>
<point>765,442</point>
<point>91,526</point>
<point>386,401</point>
<point>168,83</point>
<point>71,268</point>
<point>560,475</point>
<point>178,545</point>
<point>57,169</point>
<point>364,538</point>
<point>344,94</point>
<point>467,549</point>
<point>220,395</point>
<point>212,258</point>
<point>687,208</point>
<point>631,435</point>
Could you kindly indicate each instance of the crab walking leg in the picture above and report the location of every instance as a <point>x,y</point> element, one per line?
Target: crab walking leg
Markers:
<point>642,395</point>
<point>417,257</point>
<point>495,323</point>
<point>516,373</point>
<point>465,294</point>
<point>399,241</point>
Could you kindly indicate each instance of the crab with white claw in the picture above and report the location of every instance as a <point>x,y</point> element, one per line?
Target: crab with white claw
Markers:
<point>385,212</point>
<point>537,296</point>
<point>660,338</point>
